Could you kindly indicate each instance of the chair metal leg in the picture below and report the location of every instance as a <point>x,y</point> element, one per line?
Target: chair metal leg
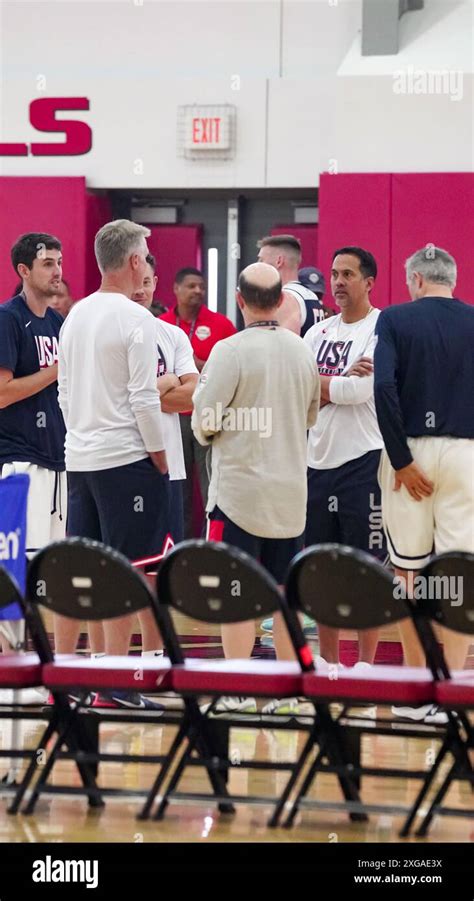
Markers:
<point>273,822</point>
<point>163,772</point>
<point>74,746</point>
<point>423,829</point>
<point>192,739</point>
<point>25,782</point>
<point>287,824</point>
<point>201,738</point>
<point>405,830</point>
<point>459,766</point>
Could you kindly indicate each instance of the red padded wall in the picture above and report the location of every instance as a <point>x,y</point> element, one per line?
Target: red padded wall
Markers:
<point>308,235</point>
<point>54,205</point>
<point>355,210</point>
<point>174,247</point>
<point>98,213</point>
<point>433,208</point>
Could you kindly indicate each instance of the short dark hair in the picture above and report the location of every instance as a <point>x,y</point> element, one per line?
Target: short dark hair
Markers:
<point>288,241</point>
<point>188,270</point>
<point>151,260</point>
<point>368,266</point>
<point>255,296</point>
<point>27,247</point>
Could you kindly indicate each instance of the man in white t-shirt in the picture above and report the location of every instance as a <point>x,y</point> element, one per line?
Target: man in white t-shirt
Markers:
<point>115,450</point>
<point>344,446</point>
<point>300,307</point>
<point>177,378</point>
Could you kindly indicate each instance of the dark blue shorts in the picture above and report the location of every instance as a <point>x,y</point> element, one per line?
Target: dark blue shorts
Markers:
<point>275,554</point>
<point>126,507</point>
<point>344,506</point>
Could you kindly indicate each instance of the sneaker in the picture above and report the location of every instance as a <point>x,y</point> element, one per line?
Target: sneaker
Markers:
<point>436,715</point>
<point>412,713</point>
<point>282,707</point>
<point>361,667</point>
<point>130,700</point>
<point>232,705</point>
<point>309,625</point>
<point>75,697</point>
<point>24,696</point>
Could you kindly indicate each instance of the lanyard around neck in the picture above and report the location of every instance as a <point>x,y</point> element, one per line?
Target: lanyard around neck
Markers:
<point>264,323</point>
<point>193,324</point>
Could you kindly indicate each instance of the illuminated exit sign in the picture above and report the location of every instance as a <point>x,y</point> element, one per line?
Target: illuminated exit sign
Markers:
<point>206,131</point>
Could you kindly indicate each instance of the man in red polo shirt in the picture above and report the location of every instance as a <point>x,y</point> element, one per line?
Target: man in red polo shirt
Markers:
<point>204,329</point>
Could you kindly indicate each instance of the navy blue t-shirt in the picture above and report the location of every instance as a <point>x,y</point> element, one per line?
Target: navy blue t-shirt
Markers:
<point>424,373</point>
<point>31,430</point>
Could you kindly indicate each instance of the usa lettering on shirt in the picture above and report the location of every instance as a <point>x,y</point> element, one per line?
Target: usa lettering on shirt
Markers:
<point>48,350</point>
<point>332,357</point>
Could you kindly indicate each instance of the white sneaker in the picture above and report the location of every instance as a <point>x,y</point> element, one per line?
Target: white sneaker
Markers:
<point>24,696</point>
<point>282,707</point>
<point>232,705</point>
<point>412,713</point>
<point>370,712</point>
<point>436,715</point>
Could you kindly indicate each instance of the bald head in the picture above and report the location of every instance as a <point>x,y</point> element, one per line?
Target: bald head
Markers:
<point>260,286</point>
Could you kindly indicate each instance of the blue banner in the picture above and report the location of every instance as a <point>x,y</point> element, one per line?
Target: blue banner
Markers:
<point>13,504</point>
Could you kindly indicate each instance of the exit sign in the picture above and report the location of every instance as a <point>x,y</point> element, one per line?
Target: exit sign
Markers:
<point>206,131</point>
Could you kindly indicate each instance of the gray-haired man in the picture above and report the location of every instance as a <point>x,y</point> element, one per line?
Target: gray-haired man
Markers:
<point>115,458</point>
<point>424,383</point>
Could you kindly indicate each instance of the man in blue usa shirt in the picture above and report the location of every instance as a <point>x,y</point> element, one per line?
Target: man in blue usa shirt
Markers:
<point>31,424</point>
<point>424,384</point>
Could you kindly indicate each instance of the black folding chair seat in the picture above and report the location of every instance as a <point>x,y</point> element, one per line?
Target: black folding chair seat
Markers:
<point>215,583</point>
<point>84,580</point>
<point>345,588</point>
<point>385,685</point>
<point>17,671</point>
<point>69,672</point>
<point>454,691</point>
<point>239,678</point>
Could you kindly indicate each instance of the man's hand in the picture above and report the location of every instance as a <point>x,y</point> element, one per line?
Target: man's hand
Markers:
<point>158,458</point>
<point>167,382</point>
<point>415,481</point>
<point>362,366</point>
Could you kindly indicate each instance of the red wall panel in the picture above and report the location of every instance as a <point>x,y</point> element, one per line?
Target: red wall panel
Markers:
<point>433,208</point>
<point>355,209</point>
<point>53,205</point>
<point>174,247</point>
<point>98,212</point>
<point>308,235</point>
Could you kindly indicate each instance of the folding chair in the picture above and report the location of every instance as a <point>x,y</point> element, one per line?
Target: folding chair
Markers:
<point>215,583</point>
<point>454,691</point>
<point>345,588</point>
<point>17,671</point>
<point>83,579</point>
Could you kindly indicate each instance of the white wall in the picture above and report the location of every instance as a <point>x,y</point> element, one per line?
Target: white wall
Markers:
<point>306,96</point>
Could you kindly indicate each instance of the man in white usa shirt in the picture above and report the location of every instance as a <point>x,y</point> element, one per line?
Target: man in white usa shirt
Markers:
<point>344,446</point>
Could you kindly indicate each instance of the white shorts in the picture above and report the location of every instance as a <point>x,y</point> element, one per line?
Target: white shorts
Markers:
<point>47,504</point>
<point>440,523</point>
